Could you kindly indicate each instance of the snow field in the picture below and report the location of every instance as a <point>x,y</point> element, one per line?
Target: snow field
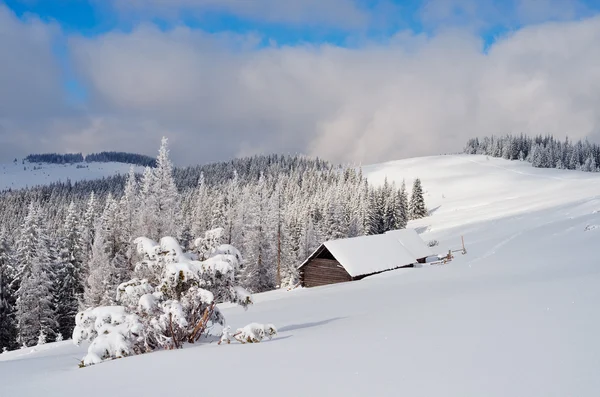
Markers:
<point>517,315</point>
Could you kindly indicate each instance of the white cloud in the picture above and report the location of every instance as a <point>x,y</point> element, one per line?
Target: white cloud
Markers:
<point>30,81</point>
<point>218,96</point>
<point>412,97</point>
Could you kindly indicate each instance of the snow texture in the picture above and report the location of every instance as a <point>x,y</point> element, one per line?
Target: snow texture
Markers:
<point>516,316</point>
<point>18,176</point>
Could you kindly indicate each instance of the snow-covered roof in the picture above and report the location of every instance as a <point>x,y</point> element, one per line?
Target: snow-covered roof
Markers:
<point>412,242</point>
<point>376,253</point>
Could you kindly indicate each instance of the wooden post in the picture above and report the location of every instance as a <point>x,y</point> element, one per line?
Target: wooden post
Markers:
<point>464,250</point>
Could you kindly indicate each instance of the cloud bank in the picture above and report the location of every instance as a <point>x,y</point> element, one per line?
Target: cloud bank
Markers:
<point>223,95</point>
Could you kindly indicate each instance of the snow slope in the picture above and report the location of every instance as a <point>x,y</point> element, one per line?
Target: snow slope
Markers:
<point>18,175</point>
<point>516,316</point>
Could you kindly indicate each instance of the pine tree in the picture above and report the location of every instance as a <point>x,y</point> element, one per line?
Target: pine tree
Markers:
<point>401,208</point>
<point>200,212</point>
<point>69,289</point>
<point>8,327</point>
<point>258,274</point>
<point>417,201</point>
<point>99,271</point>
<point>86,229</point>
<point>128,212</point>
<point>35,309</point>
<point>160,198</point>
<point>27,243</point>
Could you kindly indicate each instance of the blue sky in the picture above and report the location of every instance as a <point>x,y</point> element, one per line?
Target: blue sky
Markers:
<point>294,76</point>
<point>382,18</point>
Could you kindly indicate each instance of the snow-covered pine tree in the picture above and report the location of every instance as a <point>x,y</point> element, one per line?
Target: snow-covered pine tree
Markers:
<point>200,213</point>
<point>86,229</point>
<point>160,198</point>
<point>128,215</point>
<point>35,308</point>
<point>8,326</point>
<point>100,271</point>
<point>258,273</point>
<point>166,309</point>
<point>27,243</point>
<point>168,196</point>
<point>417,201</point>
<point>401,208</point>
<point>69,289</point>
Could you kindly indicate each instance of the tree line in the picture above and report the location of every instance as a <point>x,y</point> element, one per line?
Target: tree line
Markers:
<point>102,157</point>
<point>67,247</point>
<point>540,151</point>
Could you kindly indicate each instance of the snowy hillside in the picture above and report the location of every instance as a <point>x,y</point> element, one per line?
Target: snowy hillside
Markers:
<point>517,315</point>
<point>18,175</point>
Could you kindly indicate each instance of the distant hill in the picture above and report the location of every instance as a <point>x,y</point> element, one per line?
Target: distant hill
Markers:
<point>17,175</point>
<point>102,157</point>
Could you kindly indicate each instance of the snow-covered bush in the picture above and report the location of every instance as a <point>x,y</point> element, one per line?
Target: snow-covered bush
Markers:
<point>171,301</point>
<point>251,333</point>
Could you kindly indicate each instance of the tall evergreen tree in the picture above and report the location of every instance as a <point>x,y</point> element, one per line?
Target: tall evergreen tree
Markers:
<point>8,326</point>
<point>27,243</point>
<point>417,201</point>
<point>160,198</point>
<point>100,272</point>
<point>69,288</point>
<point>35,307</point>
<point>401,208</point>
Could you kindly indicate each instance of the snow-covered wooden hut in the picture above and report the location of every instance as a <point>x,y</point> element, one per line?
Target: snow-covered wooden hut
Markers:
<point>350,259</point>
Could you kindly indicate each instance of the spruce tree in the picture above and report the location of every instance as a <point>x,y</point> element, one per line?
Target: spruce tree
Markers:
<point>69,289</point>
<point>417,201</point>
<point>99,272</point>
<point>27,243</point>
<point>35,307</point>
<point>160,199</point>
<point>8,326</point>
<point>401,208</point>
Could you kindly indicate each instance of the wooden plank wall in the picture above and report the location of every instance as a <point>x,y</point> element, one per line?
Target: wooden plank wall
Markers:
<point>322,272</point>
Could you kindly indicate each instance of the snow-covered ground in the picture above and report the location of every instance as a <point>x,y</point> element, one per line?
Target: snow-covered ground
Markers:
<point>18,175</point>
<point>517,316</point>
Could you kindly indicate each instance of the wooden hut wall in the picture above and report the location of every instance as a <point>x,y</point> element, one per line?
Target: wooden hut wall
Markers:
<point>322,271</point>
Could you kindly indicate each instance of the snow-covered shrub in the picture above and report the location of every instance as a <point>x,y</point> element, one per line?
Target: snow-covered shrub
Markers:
<point>433,243</point>
<point>171,301</point>
<point>251,333</point>
<point>42,338</point>
<point>205,246</point>
<point>113,330</point>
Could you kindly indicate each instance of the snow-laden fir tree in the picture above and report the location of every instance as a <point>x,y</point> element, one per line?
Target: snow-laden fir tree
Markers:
<point>401,208</point>
<point>259,262</point>
<point>8,326</point>
<point>159,209</point>
<point>35,307</point>
<point>69,287</point>
<point>99,276</point>
<point>174,303</point>
<point>86,231</point>
<point>417,201</point>
<point>128,214</point>
<point>27,243</point>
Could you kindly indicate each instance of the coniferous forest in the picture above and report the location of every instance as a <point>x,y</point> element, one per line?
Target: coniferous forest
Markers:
<point>540,151</point>
<point>68,246</point>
